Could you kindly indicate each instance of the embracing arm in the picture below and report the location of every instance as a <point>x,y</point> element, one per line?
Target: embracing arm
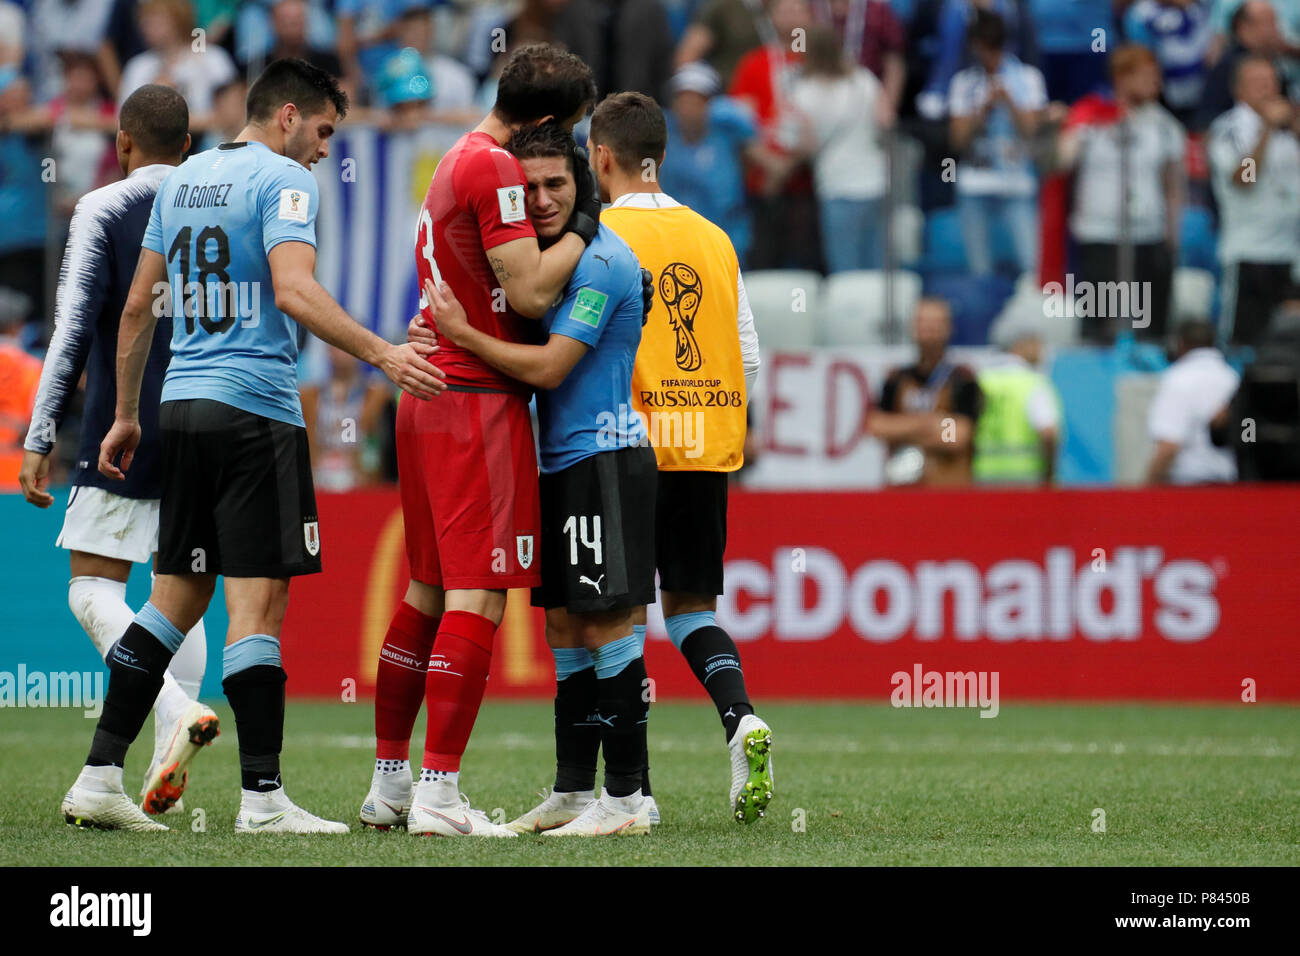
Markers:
<point>533,278</point>
<point>541,366</point>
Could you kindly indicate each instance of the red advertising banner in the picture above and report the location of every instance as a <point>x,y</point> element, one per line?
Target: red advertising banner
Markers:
<point>1171,594</point>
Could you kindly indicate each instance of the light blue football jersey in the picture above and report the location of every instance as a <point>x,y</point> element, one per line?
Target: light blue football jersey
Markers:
<point>591,411</point>
<point>215,220</point>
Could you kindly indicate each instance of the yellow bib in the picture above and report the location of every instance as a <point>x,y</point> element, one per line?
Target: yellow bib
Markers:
<point>688,381</point>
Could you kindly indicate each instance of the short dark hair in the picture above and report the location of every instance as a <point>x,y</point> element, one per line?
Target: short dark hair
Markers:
<point>295,81</point>
<point>544,139</point>
<point>541,80</point>
<point>157,120</point>
<point>631,126</point>
<point>988,30</point>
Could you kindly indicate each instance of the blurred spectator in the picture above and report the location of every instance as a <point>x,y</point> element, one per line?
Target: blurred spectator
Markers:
<point>1265,419</point>
<point>13,39</point>
<point>366,31</point>
<point>171,58</point>
<point>928,411</point>
<point>1073,37</point>
<point>952,50</point>
<point>576,25</point>
<point>996,106</point>
<point>216,18</point>
<point>873,38</point>
<point>290,39</point>
<point>1178,33</point>
<point>1221,14</point>
<point>1255,174</point>
<point>82,119</point>
<point>1128,189</point>
<point>229,113</point>
<point>23,197</point>
<point>707,137</point>
<point>1193,397</point>
<point>1254,33</point>
<point>1018,433</point>
<point>122,41</point>
<point>343,417</point>
<point>405,90</point>
<point>849,166</point>
<point>20,374</point>
<point>641,58</point>
<point>785,210</point>
<point>54,25</point>
<point>722,32</point>
<point>255,31</point>
<point>452,87</point>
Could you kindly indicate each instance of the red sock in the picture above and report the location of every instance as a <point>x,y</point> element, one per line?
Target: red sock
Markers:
<point>399,681</point>
<point>458,672</point>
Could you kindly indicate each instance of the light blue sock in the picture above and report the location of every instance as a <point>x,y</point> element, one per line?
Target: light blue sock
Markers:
<point>616,655</point>
<point>251,651</point>
<point>152,620</point>
<point>570,660</point>
<point>638,630</point>
<point>682,626</point>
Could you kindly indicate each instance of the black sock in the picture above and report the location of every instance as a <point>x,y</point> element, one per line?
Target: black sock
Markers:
<point>577,732</point>
<point>256,695</point>
<point>645,765</point>
<point>623,713</point>
<point>136,664</point>
<point>713,657</point>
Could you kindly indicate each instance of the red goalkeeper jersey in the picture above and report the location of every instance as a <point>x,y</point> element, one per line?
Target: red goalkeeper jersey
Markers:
<point>476,201</point>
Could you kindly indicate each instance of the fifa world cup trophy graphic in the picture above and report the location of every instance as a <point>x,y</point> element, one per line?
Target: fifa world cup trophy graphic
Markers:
<point>681,291</point>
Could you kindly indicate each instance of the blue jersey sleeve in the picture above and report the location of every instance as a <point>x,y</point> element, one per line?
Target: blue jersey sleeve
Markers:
<point>589,301</point>
<point>153,234</point>
<point>289,202</point>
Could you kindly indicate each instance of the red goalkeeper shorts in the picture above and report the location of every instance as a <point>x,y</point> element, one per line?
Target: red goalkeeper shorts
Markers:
<point>467,472</point>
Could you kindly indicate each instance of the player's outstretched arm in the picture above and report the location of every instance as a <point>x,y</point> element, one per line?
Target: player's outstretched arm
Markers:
<point>299,296</point>
<point>134,337</point>
<point>541,366</point>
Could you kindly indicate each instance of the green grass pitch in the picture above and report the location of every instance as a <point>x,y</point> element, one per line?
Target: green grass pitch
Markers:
<point>856,784</point>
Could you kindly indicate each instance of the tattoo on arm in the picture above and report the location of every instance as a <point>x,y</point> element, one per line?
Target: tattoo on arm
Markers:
<point>499,268</point>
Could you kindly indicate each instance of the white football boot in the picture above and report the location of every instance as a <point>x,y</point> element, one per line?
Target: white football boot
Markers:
<point>97,801</point>
<point>197,727</point>
<point>274,812</point>
<point>751,769</point>
<point>389,801</point>
<point>609,816</point>
<point>652,810</point>
<point>554,811</point>
<point>438,810</point>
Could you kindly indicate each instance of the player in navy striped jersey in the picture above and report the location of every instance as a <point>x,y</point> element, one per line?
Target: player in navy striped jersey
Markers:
<point>111,525</point>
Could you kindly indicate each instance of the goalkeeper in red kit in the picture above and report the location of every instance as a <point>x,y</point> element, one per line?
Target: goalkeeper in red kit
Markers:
<point>467,463</point>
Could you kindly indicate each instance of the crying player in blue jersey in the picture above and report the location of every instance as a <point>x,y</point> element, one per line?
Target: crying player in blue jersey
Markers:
<point>231,245</point>
<point>597,491</point>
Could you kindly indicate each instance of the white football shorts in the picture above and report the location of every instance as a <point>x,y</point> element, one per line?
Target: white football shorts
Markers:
<point>111,526</point>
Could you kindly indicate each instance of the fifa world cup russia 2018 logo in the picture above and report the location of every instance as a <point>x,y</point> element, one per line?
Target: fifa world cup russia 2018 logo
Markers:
<point>513,195</point>
<point>293,200</point>
<point>681,291</point>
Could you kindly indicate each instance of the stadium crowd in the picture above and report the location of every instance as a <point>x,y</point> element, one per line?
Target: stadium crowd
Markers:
<point>988,147</point>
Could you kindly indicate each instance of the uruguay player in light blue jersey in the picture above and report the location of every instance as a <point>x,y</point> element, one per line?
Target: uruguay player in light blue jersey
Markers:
<point>231,246</point>
<point>597,491</point>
